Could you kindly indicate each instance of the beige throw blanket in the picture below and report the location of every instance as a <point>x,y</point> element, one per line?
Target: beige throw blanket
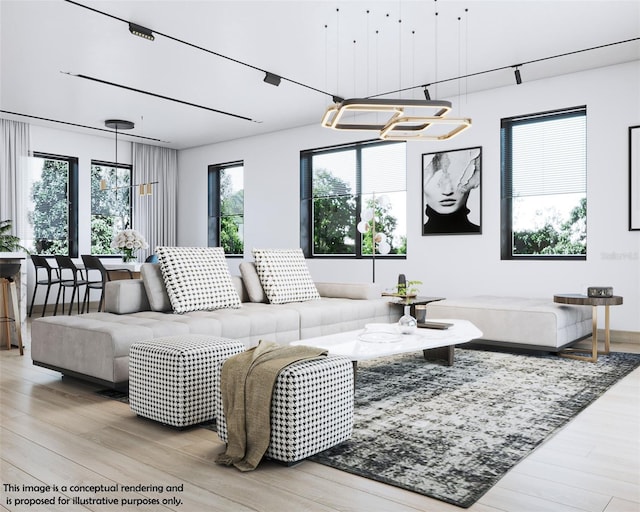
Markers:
<point>247,383</point>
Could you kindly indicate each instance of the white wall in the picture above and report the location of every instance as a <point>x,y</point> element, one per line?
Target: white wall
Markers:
<point>454,265</point>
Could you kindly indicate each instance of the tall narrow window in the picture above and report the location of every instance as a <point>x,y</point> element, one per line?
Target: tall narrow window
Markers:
<point>544,194</point>
<point>110,204</point>
<point>226,207</point>
<point>338,184</point>
<point>53,204</point>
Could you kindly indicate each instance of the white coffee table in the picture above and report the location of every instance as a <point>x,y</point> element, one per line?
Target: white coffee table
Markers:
<point>434,343</point>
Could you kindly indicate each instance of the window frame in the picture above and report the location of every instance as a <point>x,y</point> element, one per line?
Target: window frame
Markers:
<point>307,199</point>
<point>506,174</point>
<point>72,198</point>
<point>129,168</point>
<point>214,204</point>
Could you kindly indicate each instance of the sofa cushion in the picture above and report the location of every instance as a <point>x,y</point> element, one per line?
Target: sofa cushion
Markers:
<point>284,275</point>
<point>252,282</point>
<point>358,291</point>
<point>124,296</point>
<point>154,286</point>
<point>197,278</point>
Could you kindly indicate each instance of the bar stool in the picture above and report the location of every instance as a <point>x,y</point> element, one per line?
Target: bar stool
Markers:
<point>74,282</point>
<point>53,277</point>
<point>8,271</point>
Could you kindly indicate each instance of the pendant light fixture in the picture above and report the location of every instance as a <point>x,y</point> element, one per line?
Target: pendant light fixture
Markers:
<point>120,124</point>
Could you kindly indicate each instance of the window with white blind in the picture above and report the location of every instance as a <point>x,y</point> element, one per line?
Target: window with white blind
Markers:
<point>338,185</point>
<point>544,185</point>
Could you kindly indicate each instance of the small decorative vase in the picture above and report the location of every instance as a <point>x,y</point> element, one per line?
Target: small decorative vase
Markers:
<point>128,256</point>
<point>407,324</point>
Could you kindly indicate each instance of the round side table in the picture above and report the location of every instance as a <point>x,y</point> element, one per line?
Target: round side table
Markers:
<point>594,302</point>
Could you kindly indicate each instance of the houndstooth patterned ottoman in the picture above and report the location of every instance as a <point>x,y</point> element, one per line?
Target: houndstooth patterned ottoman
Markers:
<point>311,408</point>
<point>173,379</point>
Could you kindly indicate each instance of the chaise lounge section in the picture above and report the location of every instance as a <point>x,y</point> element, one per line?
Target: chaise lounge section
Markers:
<point>518,322</point>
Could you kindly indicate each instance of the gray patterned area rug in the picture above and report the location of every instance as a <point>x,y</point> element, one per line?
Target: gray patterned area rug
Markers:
<point>452,432</point>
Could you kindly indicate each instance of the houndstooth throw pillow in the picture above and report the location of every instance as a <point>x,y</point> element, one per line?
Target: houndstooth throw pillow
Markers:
<point>284,275</point>
<point>197,278</point>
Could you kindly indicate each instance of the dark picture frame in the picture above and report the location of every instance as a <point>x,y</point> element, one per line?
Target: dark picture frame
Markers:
<point>452,192</point>
<point>634,178</point>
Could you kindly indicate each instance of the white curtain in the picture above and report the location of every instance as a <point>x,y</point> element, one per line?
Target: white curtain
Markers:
<point>15,149</point>
<point>155,215</point>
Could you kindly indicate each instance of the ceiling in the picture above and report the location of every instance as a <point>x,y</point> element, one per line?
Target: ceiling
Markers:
<point>217,52</point>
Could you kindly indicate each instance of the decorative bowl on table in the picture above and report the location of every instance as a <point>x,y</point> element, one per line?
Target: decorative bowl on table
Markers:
<point>380,333</point>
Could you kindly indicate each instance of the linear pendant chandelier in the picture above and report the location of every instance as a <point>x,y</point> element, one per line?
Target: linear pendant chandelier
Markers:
<point>396,119</point>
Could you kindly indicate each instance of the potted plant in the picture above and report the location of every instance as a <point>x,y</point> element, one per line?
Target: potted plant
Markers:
<point>9,242</point>
<point>407,289</point>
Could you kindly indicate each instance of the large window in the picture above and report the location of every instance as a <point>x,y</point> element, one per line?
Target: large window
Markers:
<point>226,207</point>
<point>52,208</point>
<point>110,204</point>
<point>544,195</point>
<point>348,194</point>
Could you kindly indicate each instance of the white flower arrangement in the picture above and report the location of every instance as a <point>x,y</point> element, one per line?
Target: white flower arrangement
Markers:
<point>129,241</point>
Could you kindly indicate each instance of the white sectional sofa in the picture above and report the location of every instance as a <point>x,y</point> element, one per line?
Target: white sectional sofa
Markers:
<point>95,346</point>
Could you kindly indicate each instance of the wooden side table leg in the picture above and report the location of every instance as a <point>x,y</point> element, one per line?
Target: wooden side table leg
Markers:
<point>594,335</point>
<point>5,311</point>
<point>607,332</point>
<point>16,314</point>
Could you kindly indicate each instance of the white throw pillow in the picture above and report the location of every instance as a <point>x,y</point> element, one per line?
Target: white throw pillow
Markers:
<point>284,275</point>
<point>197,278</point>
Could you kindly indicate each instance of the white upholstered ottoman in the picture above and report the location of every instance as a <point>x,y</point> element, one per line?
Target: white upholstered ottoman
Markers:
<point>173,379</point>
<point>521,322</point>
<point>311,408</point>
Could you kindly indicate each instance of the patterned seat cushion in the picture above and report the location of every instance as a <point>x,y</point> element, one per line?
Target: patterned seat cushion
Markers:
<point>311,408</point>
<point>173,379</point>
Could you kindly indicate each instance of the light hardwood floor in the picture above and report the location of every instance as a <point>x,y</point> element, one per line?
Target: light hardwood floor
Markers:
<point>58,431</point>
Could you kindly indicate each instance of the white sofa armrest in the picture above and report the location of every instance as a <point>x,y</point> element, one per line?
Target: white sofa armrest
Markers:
<point>359,291</point>
<point>125,296</point>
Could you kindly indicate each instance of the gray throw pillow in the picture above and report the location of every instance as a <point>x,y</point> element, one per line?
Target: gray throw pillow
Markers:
<point>252,282</point>
<point>154,286</point>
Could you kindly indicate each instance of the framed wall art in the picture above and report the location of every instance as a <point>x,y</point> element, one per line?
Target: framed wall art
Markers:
<point>451,192</point>
<point>634,178</point>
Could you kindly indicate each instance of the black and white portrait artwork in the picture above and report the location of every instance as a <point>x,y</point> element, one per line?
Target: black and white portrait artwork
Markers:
<point>451,192</point>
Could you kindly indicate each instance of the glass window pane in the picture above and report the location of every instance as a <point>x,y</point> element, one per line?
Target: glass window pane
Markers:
<point>48,212</point>
<point>334,223</point>
<point>226,208</point>
<point>334,174</point>
<point>110,205</point>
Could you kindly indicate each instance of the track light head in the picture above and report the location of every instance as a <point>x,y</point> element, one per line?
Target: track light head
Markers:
<point>272,79</point>
<point>427,96</point>
<point>140,31</point>
<point>518,77</point>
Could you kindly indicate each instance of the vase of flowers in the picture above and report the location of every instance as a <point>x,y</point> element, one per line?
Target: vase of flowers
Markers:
<point>129,241</point>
